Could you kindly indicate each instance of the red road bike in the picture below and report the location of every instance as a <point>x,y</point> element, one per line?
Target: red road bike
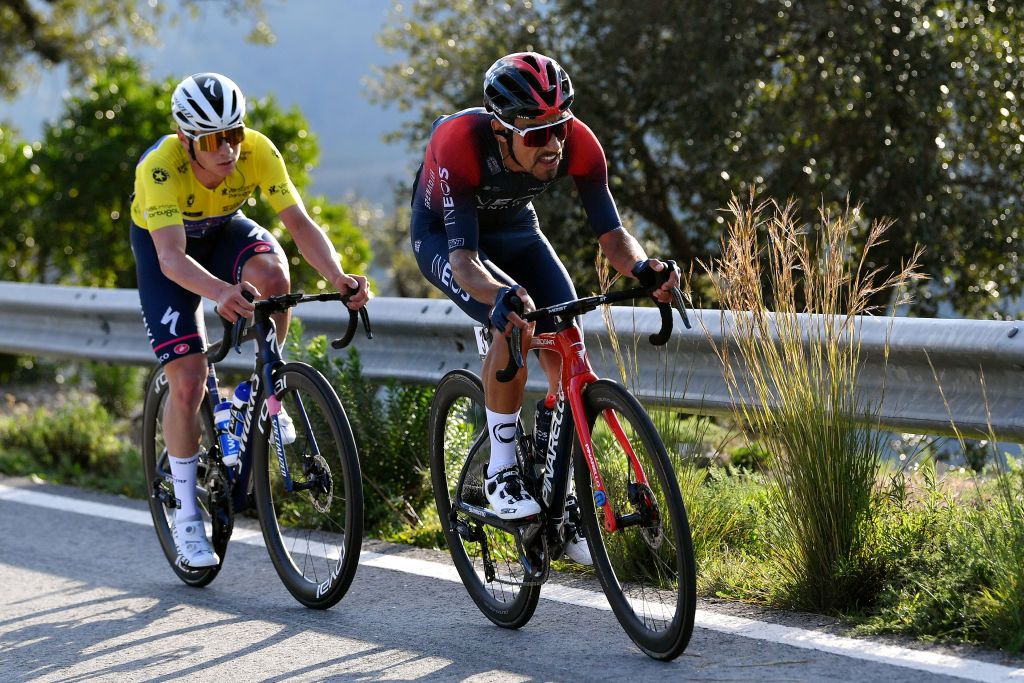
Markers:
<point>629,505</point>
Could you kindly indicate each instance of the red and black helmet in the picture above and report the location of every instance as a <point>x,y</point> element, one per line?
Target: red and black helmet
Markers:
<point>526,85</point>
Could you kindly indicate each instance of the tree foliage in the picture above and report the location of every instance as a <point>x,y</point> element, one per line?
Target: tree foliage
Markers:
<point>85,35</point>
<point>68,195</point>
<point>908,108</point>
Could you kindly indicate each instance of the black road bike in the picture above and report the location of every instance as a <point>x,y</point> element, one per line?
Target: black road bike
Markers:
<point>307,493</point>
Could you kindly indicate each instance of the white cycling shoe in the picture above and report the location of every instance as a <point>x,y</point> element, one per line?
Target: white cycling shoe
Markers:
<point>577,550</point>
<point>508,497</point>
<point>194,550</point>
<point>576,545</point>
<point>288,434</point>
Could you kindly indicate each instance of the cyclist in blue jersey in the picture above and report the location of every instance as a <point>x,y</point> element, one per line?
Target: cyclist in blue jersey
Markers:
<point>191,240</point>
<point>477,238</point>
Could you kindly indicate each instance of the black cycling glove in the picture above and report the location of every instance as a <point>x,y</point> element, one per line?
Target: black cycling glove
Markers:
<point>506,302</point>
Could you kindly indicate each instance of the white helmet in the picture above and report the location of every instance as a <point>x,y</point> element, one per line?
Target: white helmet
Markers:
<point>207,102</point>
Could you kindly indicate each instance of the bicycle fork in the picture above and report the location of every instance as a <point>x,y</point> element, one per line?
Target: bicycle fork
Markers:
<point>638,489</point>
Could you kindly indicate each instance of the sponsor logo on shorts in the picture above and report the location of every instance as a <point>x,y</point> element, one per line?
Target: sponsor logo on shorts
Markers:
<point>416,245</point>
<point>181,348</point>
<point>493,166</point>
<point>456,243</point>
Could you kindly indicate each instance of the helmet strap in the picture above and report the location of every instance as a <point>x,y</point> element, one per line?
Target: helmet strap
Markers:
<point>507,136</point>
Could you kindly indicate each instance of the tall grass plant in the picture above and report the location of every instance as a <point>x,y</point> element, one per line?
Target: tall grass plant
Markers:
<point>801,372</point>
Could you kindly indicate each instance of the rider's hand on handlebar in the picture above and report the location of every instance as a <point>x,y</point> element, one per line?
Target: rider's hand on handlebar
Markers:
<point>664,292</point>
<point>346,284</point>
<point>503,318</point>
<point>231,305</point>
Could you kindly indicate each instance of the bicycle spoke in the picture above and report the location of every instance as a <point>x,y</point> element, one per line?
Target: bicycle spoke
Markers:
<point>310,536</point>
<point>487,557</point>
<point>646,565</point>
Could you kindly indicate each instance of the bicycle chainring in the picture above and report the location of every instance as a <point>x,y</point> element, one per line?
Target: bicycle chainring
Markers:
<point>222,515</point>
<point>532,543</point>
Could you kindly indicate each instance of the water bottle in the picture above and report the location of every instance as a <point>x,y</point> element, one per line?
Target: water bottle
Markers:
<point>228,444</point>
<point>239,403</point>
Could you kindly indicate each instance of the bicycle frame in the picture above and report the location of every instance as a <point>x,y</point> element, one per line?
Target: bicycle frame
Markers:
<point>577,373</point>
<point>268,360</point>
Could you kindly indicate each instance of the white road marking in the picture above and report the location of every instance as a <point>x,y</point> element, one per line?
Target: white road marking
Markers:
<point>919,660</point>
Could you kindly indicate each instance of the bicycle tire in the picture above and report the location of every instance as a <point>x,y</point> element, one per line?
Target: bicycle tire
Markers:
<point>458,430</point>
<point>314,536</point>
<point>647,570</point>
<point>211,483</point>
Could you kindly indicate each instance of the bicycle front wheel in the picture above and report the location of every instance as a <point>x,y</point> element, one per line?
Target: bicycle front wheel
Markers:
<point>309,494</point>
<point>212,491</point>
<point>486,557</point>
<point>646,565</point>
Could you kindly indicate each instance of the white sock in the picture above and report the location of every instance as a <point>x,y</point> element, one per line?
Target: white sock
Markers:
<point>183,470</point>
<point>503,440</point>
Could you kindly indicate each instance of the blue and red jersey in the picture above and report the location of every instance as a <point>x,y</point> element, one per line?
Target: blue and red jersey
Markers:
<point>464,188</point>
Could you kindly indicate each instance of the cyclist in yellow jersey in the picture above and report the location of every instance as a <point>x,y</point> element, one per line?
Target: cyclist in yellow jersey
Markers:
<point>191,240</point>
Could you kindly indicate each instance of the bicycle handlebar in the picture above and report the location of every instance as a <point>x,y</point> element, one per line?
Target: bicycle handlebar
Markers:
<point>580,306</point>
<point>235,333</point>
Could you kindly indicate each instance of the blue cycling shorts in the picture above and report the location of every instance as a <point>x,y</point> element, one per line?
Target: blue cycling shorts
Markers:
<point>171,313</point>
<point>517,253</point>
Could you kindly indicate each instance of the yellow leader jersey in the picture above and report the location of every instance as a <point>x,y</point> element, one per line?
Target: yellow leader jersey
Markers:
<point>168,193</point>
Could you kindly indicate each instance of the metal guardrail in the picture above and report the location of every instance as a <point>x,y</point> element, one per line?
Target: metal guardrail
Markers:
<point>978,364</point>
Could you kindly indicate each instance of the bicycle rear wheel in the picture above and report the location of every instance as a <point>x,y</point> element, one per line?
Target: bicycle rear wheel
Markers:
<point>311,510</point>
<point>211,483</point>
<point>486,557</point>
<point>646,566</point>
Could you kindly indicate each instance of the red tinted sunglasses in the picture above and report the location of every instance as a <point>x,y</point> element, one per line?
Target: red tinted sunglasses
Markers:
<point>538,136</point>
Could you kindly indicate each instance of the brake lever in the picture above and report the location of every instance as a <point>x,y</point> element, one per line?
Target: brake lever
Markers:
<point>239,326</point>
<point>515,357</point>
<point>515,348</point>
<point>680,305</point>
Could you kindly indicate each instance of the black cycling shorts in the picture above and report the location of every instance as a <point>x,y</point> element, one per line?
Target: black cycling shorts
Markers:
<point>515,253</point>
<point>171,313</point>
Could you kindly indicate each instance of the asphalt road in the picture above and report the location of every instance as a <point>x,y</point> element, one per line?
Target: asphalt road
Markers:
<point>89,596</point>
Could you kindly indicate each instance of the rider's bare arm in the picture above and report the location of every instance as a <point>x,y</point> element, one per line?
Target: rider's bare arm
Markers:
<point>321,254</point>
<point>623,252</point>
<point>181,268</point>
<point>469,272</point>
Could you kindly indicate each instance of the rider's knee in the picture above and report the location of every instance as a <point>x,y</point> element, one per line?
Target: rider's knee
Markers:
<point>188,384</point>
<point>275,280</point>
<point>268,273</point>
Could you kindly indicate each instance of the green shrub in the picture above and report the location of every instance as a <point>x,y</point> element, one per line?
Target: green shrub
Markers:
<point>389,421</point>
<point>999,523</point>
<point>75,443</point>
<point>752,457</point>
<point>118,387</point>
